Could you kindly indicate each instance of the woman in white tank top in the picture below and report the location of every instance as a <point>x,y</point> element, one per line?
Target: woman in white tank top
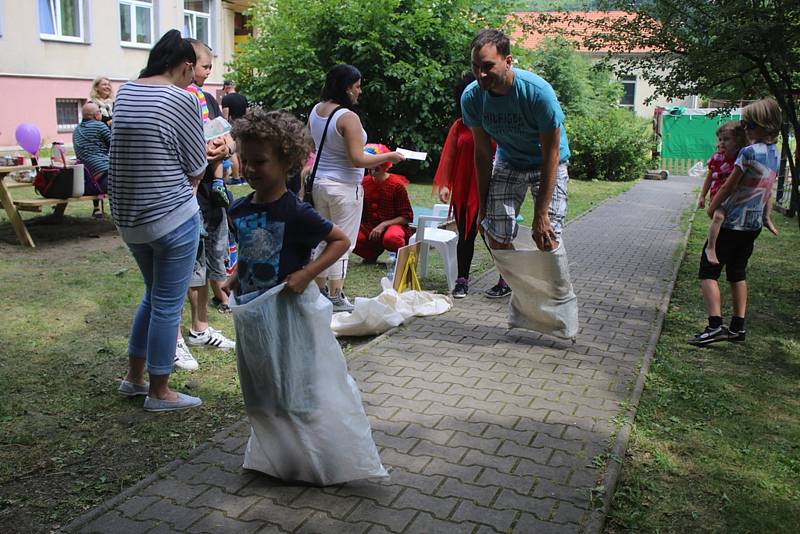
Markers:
<point>337,185</point>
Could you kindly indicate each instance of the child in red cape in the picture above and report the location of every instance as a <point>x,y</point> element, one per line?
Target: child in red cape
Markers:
<point>387,211</point>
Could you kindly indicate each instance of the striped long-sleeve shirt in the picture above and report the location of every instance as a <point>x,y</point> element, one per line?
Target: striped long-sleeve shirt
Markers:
<point>157,144</point>
<point>91,140</point>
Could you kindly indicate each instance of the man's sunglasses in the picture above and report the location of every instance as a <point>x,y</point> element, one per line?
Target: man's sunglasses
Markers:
<point>748,125</point>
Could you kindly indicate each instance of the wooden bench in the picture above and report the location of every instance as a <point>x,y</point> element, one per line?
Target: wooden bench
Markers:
<point>13,207</point>
<point>37,203</point>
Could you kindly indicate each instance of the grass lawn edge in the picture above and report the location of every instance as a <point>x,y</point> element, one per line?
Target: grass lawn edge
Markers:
<point>614,466</point>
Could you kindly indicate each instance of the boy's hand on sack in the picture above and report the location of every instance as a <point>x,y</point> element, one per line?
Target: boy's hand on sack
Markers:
<point>298,281</point>
<point>701,203</point>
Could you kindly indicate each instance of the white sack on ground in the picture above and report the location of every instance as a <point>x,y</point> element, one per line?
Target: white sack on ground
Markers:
<point>372,316</point>
<point>307,420</point>
<point>542,299</point>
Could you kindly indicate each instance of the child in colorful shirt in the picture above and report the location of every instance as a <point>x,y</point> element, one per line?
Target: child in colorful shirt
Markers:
<point>218,185</point>
<point>744,199</point>
<point>731,139</point>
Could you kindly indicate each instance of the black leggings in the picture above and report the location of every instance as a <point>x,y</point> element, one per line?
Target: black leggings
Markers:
<point>466,242</point>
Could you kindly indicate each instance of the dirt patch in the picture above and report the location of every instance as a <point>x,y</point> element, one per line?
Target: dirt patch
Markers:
<point>70,237</point>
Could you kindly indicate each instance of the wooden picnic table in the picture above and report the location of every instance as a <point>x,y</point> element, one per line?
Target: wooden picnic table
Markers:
<point>13,207</point>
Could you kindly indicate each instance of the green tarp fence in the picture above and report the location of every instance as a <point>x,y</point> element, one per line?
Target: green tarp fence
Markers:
<point>689,137</point>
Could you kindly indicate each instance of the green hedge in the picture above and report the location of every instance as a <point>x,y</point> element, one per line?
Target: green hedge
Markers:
<point>612,145</point>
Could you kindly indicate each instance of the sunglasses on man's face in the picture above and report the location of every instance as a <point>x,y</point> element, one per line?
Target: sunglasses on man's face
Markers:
<point>748,125</point>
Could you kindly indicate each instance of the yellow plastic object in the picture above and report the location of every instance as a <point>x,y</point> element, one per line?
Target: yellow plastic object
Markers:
<point>409,277</point>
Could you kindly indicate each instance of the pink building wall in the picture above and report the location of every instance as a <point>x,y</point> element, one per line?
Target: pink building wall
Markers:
<point>33,99</point>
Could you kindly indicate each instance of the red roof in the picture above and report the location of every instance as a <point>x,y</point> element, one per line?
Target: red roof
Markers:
<point>572,25</point>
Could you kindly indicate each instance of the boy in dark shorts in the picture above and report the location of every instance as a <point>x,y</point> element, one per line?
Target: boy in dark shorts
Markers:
<point>745,199</point>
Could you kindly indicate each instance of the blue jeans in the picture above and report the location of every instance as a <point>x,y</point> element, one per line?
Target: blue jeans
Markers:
<point>166,265</point>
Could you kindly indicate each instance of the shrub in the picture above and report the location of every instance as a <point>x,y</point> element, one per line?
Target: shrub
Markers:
<point>612,145</point>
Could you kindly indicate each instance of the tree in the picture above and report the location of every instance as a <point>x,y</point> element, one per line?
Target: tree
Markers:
<point>725,49</point>
<point>410,53</point>
<point>583,89</point>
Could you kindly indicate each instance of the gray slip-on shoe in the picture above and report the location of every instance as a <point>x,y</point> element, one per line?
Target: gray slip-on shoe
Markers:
<point>129,389</point>
<point>183,402</point>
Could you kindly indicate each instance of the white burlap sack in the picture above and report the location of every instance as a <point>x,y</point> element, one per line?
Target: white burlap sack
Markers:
<point>389,309</point>
<point>543,299</point>
<point>307,421</point>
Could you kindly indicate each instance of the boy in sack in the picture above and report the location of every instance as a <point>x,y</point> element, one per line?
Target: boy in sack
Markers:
<point>307,420</point>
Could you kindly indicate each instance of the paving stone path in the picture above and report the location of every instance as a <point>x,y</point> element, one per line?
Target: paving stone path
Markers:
<point>485,429</point>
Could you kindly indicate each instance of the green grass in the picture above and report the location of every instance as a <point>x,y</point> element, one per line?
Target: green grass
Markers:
<point>715,446</point>
<point>67,440</point>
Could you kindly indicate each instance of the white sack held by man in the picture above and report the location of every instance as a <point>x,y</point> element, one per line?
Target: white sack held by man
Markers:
<point>543,299</point>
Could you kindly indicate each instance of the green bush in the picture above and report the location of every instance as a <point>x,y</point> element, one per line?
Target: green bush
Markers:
<point>612,145</point>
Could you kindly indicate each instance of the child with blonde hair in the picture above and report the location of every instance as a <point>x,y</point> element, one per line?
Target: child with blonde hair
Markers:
<point>745,201</point>
<point>731,139</point>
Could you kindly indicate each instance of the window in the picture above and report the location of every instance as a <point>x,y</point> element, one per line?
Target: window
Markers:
<point>628,99</point>
<point>197,20</point>
<point>61,19</point>
<point>136,22</point>
<point>68,113</point>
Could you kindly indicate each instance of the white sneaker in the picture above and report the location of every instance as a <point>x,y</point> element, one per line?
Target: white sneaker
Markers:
<point>184,358</point>
<point>210,338</point>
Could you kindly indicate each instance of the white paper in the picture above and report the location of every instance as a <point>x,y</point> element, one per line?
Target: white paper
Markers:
<point>410,154</point>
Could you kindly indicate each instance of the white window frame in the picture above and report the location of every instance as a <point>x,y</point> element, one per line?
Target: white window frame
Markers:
<point>213,22</point>
<point>629,80</point>
<point>132,5</point>
<point>83,30</point>
<point>78,103</point>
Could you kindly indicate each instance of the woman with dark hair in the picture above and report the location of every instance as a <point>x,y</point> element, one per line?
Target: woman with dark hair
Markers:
<point>337,191</point>
<point>455,178</point>
<point>158,156</point>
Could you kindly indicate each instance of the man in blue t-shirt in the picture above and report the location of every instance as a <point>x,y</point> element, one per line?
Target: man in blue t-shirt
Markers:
<point>520,111</point>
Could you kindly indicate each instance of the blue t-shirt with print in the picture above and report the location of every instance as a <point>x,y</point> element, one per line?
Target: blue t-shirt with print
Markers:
<point>744,208</point>
<point>275,239</point>
<point>515,119</point>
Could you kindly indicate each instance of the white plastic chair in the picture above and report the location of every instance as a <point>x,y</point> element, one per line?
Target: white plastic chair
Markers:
<point>445,241</point>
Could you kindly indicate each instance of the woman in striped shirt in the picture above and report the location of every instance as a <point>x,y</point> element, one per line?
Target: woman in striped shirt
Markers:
<point>158,155</point>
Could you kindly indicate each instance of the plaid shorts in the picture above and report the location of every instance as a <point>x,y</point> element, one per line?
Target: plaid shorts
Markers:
<point>507,188</point>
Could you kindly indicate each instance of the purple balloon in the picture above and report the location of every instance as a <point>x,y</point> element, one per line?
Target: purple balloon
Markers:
<point>28,137</point>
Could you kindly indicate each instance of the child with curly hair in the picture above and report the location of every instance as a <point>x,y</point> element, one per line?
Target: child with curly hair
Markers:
<point>277,231</point>
<point>305,411</point>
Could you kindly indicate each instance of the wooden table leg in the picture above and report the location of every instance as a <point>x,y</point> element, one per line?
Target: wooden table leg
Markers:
<point>13,216</point>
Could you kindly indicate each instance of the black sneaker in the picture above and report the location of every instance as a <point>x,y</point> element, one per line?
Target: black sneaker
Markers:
<point>461,289</point>
<point>710,335</point>
<point>499,291</point>
<point>737,337</point>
